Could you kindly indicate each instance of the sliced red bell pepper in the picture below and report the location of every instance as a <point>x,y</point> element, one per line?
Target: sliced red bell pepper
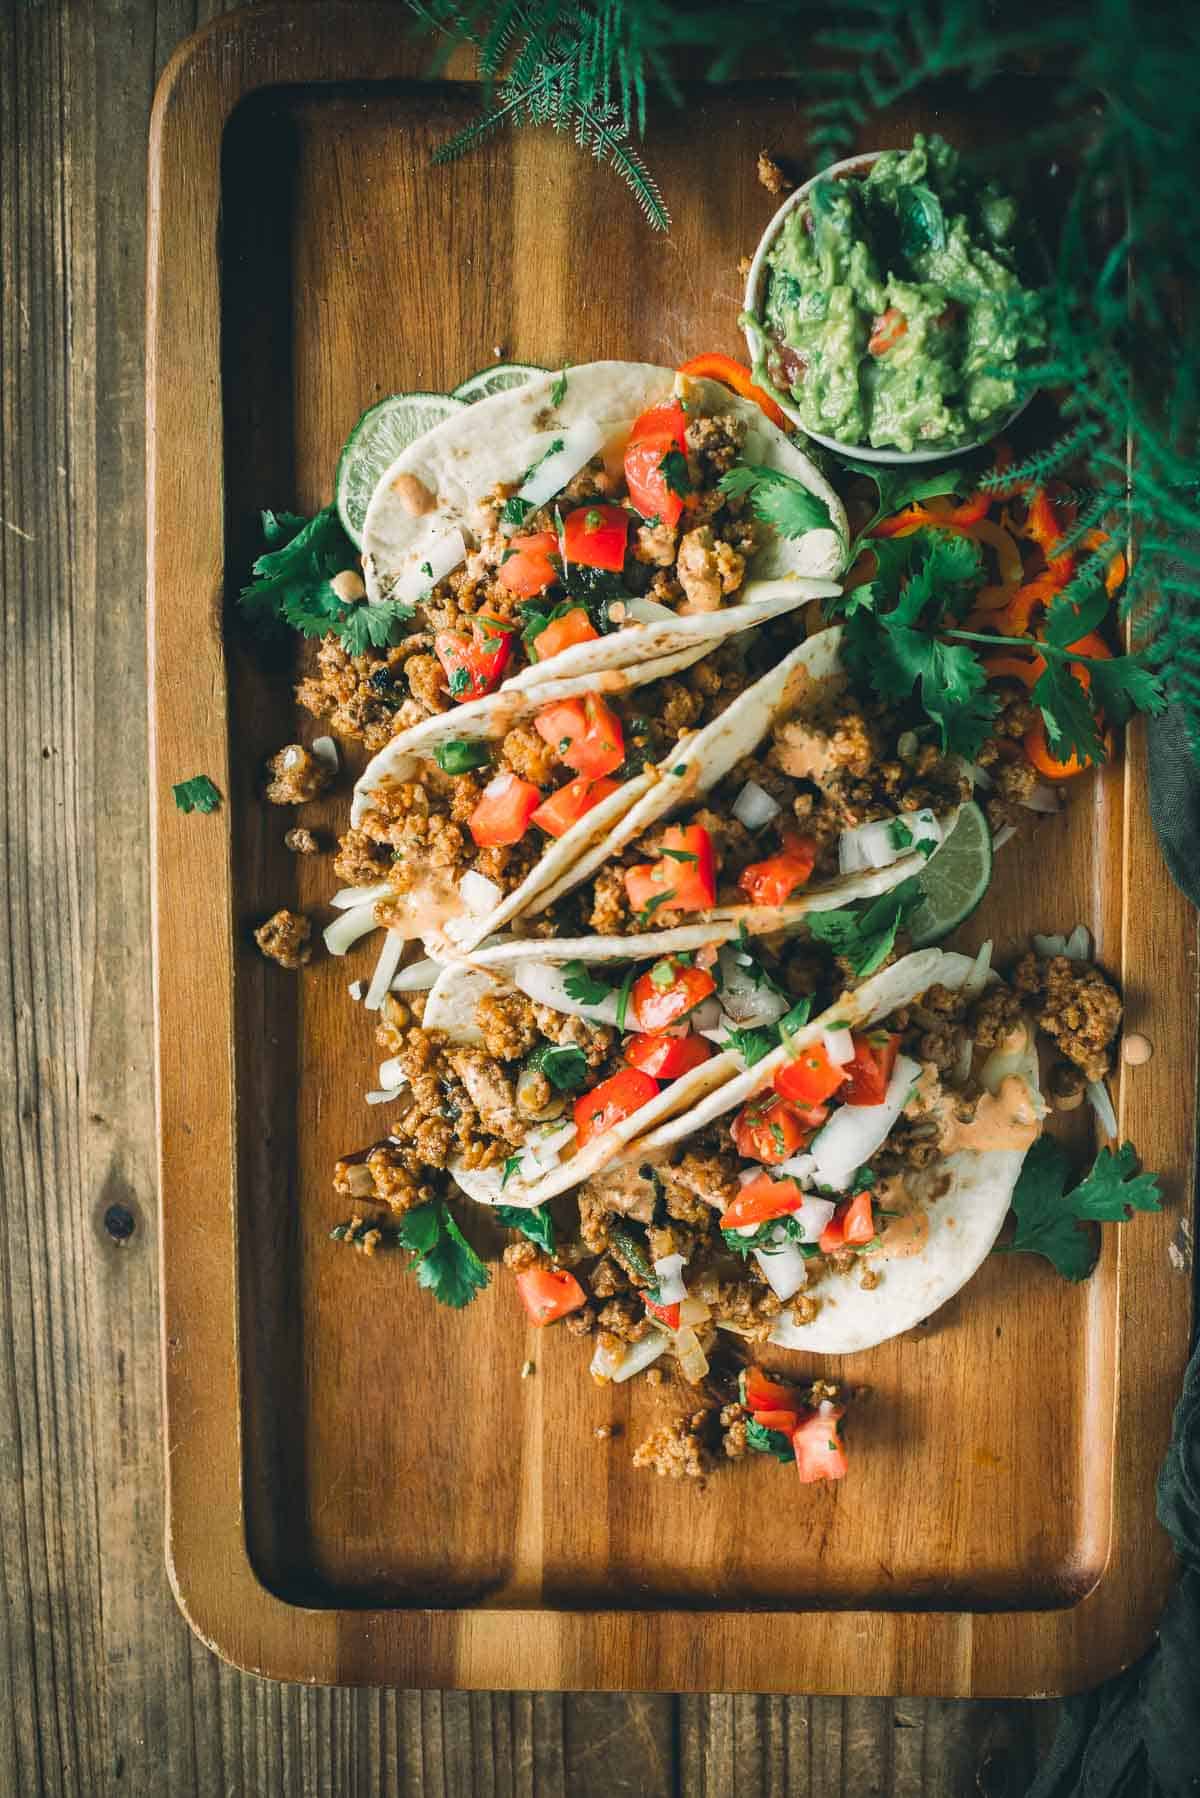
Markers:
<point>810,1077</point>
<point>760,1200</point>
<point>761,1394</point>
<point>772,882</point>
<point>667,992</point>
<point>867,1076</point>
<point>668,1057</point>
<point>715,367</point>
<point>655,435</point>
<point>567,805</point>
<point>818,1447</point>
<point>505,808</point>
<point>768,1129</point>
<point>584,733</point>
<point>527,569</point>
<point>611,1102</point>
<point>595,536</point>
<point>549,1293</point>
<point>475,665</point>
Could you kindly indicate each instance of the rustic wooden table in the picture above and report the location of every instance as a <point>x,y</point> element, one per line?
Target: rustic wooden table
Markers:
<point>102,1687</point>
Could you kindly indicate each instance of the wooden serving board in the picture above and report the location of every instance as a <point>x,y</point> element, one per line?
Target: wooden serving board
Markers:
<point>362,1488</point>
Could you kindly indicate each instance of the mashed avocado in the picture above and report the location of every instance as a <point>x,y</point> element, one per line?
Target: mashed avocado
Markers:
<point>894,312</point>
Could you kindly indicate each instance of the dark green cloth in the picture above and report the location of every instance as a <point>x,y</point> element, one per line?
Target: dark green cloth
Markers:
<point>1138,1735</point>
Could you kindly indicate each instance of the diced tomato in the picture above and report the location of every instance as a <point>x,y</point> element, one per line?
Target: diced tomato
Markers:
<point>886,332</point>
<point>549,1293</point>
<point>810,1076</point>
<point>611,1102</point>
<point>585,733</point>
<point>867,1076</point>
<point>567,805</point>
<point>475,665</point>
<point>819,1449</point>
<point>527,569</point>
<point>783,1421</point>
<point>505,808</point>
<point>683,879</point>
<point>564,633</point>
<point>667,1314</point>
<point>774,881</point>
<point>666,993</point>
<point>769,1129</point>
<point>762,1199</point>
<point>853,1223</point>
<point>595,536</point>
<point>667,1057</point>
<point>765,1395</point>
<point>654,435</point>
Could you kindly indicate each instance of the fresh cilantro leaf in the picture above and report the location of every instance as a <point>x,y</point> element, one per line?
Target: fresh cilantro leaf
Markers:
<point>778,499</point>
<point>451,1269</point>
<point>539,616</point>
<point>902,487</point>
<point>1066,623</point>
<point>373,626</point>
<point>582,986</point>
<point>899,835</point>
<point>681,855</point>
<point>512,1166</point>
<point>535,1222</point>
<point>564,1065</point>
<point>768,1442</point>
<point>623,999</point>
<point>751,1044</point>
<point>796,1018</point>
<point>674,470</point>
<point>1125,685</point>
<point>197,794</point>
<point>515,511</point>
<point>460,682</point>
<point>1071,727</point>
<point>418,1228</point>
<point>292,583</point>
<point>558,392</point>
<point>866,938</point>
<point>1048,1216</point>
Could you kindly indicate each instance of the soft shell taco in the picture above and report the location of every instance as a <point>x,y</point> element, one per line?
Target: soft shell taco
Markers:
<point>579,523</point>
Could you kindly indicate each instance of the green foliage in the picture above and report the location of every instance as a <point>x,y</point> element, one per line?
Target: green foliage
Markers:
<point>292,584</point>
<point>443,1260</point>
<point>1048,1215</point>
<point>778,499</point>
<point>535,1222</point>
<point>199,794</point>
<point>867,937</point>
<point>768,1442</point>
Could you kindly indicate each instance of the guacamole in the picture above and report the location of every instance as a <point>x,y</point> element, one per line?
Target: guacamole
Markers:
<point>893,310</point>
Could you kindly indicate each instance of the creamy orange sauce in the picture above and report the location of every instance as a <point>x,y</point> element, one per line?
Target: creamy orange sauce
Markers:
<point>803,753</point>
<point>1004,1120</point>
<point>414,495</point>
<point>906,1233</point>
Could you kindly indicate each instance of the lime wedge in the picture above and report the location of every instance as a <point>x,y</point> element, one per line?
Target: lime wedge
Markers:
<point>380,435</point>
<point>954,880</point>
<point>496,379</point>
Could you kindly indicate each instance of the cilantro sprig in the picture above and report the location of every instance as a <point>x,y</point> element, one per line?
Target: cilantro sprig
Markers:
<point>293,578</point>
<point>778,499</point>
<point>534,1221</point>
<point>1049,1213</point>
<point>564,1065</point>
<point>582,986</point>
<point>199,794</point>
<point>443,1260</point>
<point>867,937</point>
<point>768,1442</point>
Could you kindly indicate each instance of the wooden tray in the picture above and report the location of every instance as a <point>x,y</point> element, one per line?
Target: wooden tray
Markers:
<point>361,1486</point>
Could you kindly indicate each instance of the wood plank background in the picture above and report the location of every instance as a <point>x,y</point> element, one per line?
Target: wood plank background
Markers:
<point>102,1688</point>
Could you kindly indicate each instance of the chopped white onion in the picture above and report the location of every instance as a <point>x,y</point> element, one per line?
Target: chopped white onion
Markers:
<point>693,1362</point>
<point>437,557</point>
<point>347,898</point>
<point>647,611</point>
<point>385,1097</point>
<point>961,1071</point>
<point>706,1015</point>
<point>671,1289</point>
<point>980,968</point>
<point>347,929</point>
<point>783,1268</point>
<point>391,1073</point>
<point>578,444</point>
<point>800,1168</point>
<point>867,846</point>
<point>418,976</point>
<point>839,1046</point>
<point>745,1175</point>
<point>479,894</point>
<point>547,1149</point>
<point>747,1001</point>
<point>856,1132</point>
<point>621,1364</point>
<point>1079,944</point>
<point>1020,1058</point>
<point>385,969</point>
<point>693,1311</point>
<point>356,989</point>
<point>1102,1105</point>
<point>325,750</point>
<point>754,806</point>
<point>1005,834</point>
<point>1041,798</point>
<point>1050,945</point>
<point>812,1217</point>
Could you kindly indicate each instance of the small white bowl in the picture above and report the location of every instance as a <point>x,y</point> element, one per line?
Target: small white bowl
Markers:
<point>755,282</point>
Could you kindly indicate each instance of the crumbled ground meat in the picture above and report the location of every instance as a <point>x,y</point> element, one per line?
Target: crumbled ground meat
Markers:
<point>523,1255</point>
<point>733,1421</point>
<point>300,841</point>
<point>1075,1005</point>
<point>700,1184</point>
<point>608,1277</point>
<point>491,1092</point>
<point>678,1449</point>
<point>507,1024</point>
<point>365,697</point>
<point>529,755</point>
<point>713,445</point>
<point>752,1306</point>
<point>670,1239</point>
<point>771,175</point>
<point>656,544</point>
<point>360,861</point>
<point>1013,782</point>
<point>623,1319</point>
<point>581,1322</point>
<point>284,938</point>
<point>383,1175</point>
<point>594,1213</point>
<point>707,570</point>
<point>296,776</point>
<point>596,1040</point>
<point>994,1016</point>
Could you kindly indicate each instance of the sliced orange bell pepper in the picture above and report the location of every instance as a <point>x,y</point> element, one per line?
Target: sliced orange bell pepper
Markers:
<point>715,367</point>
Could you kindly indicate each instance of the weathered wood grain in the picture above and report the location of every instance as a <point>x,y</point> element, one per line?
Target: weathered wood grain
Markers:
<point>102,1687</point>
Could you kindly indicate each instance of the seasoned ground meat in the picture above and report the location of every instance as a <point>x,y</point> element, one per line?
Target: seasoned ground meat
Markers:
<point>670,1239</point>
<point>364,697</point>
<point>1075,1005</point>
<point>360,861</point>
<point>507,1024</point>
<point>1013,782</point>
<point>381,1174</point>
<point>994,1016</point>
<point>678,1449</point>
<point>596,1040</point>
<point>523,1255</point>
<point>300,841</point>
<point>610,914</point>
<point>701,1183</point>
<point>608,1277</point>
<point>771,176</point>
<point>623,1319</point>
<point>594,1213</point>
<point>754,1308</point>
<point>284,938</point>
<point>427,683</point>
<point>491,1093</point>
<point>296,776</point>
<point>713,444</point>
<point>733,1420</point>
<point>655,544</point>
<point>707,570</point>
<point>680,707</point>
<point>529,755</point>
<point>581,1322</point>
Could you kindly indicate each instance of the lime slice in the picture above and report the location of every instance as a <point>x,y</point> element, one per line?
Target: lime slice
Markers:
<point>380,435</point>
<point>496,379</point>
<point>954,880</point>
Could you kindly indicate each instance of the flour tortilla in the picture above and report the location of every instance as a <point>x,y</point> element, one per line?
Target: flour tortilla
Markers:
<point>451,1007</point>
<point>795,686</point>
<point>461,460</point>
<point>964,1219</point>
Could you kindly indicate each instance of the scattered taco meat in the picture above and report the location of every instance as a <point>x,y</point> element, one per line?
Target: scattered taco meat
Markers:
<point>285,938</point>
